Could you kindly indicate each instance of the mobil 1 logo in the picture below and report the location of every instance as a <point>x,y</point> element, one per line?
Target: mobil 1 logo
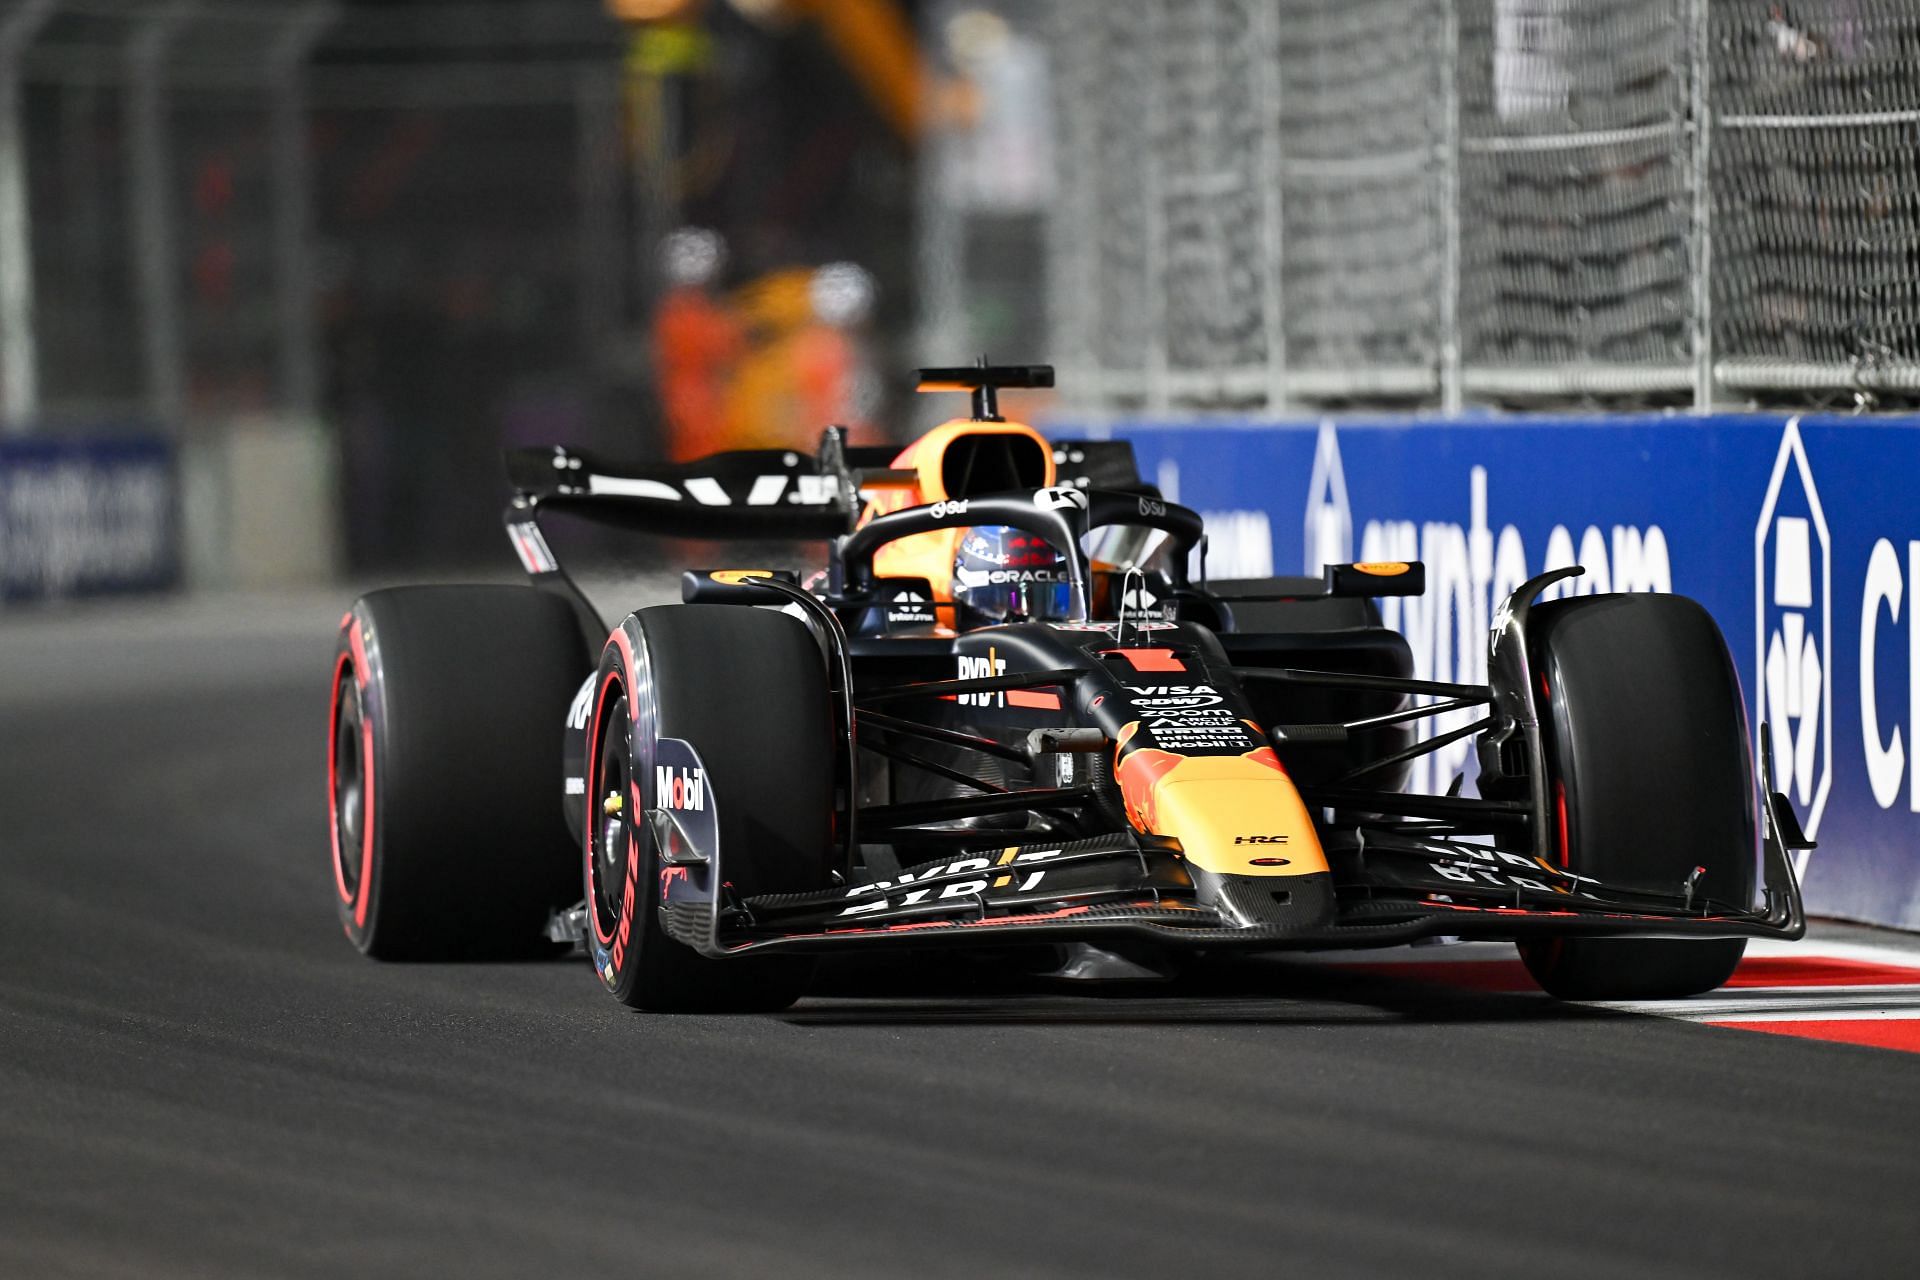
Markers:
<point>683,795</point>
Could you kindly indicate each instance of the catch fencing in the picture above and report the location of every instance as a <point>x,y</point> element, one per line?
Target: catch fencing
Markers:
<point>1269,204</point>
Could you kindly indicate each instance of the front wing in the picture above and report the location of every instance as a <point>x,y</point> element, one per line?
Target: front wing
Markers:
<point>1388,890</point>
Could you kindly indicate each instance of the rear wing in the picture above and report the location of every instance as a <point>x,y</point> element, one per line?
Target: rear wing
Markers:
<point>763,495</point>
<point>747,493</point>
<point>760,494</point>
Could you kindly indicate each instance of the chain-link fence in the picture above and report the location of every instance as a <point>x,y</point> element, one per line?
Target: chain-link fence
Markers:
<point>1271,203</point>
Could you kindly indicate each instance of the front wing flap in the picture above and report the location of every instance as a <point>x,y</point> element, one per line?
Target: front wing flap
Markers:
<point>1391,889</point>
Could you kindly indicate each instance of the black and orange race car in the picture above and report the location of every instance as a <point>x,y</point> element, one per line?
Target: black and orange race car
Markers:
<point>1006,712</point>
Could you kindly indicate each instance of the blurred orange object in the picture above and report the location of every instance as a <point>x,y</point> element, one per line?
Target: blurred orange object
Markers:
<point>762,409</point>
<point>652,10</point>
<point>823,372</point>
<point>696,342</point>
<point>806,366</point>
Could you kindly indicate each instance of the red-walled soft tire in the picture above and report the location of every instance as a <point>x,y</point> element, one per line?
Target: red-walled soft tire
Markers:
<point>444,772</point>
<point>1650,774</point>
<point>747,689</point>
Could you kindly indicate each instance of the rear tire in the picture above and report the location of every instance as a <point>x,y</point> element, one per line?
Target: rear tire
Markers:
<point>448,709</point>
<point>1650,775</point>
<point>747,689</point>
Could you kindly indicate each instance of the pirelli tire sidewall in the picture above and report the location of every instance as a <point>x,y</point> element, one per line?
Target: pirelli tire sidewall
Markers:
<point>747,689</point>
<point>621,920</point>
<point>1650,774</point>
<point>353,722</point>
<point>460,850</point>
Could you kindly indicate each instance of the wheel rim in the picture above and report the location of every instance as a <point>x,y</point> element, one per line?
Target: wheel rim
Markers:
<point>349,790</point>
<point>609,832</point>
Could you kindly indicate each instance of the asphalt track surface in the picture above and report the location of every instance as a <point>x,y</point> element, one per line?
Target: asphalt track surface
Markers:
<point>198,1076</point>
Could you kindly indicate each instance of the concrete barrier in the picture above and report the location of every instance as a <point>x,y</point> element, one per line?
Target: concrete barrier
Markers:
<point>261,505</point>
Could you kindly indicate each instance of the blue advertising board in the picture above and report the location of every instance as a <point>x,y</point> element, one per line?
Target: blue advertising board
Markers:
<point>86,515</point>
<point>1801,536</point>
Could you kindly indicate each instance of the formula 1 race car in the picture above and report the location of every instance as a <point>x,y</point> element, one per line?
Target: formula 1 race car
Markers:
<point>1007,712</point>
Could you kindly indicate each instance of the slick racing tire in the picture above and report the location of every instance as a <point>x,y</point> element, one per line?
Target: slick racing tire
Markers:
<point>444,774</point>
<point>747,690</point>
<point>1650,775</point>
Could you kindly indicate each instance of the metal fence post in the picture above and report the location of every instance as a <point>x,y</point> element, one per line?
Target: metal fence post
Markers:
<point>1154,194</point>
<point>597,123</point>
<point>654,130</point>
<point>19,351</point>
<point>1700,55</point>
<point>940,259</point>
<point>1272,207</point>
<point>1072,226</point>
<point>1079,222</point>
<point>1449,201</point>
<point>299,356</point>
<point>155,254</point>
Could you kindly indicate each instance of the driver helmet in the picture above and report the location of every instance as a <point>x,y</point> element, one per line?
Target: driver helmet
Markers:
<point>1001,574</point>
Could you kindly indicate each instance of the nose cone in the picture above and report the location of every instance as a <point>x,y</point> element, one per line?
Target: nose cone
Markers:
<point>1233,815</point>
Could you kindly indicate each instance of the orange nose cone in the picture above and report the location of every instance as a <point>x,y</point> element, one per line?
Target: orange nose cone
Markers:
<point>1237,815</point>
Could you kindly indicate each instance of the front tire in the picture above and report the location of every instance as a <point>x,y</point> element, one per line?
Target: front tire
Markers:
<point>448,709</point>
<point>747,689</point>
<point>1650,775</point>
